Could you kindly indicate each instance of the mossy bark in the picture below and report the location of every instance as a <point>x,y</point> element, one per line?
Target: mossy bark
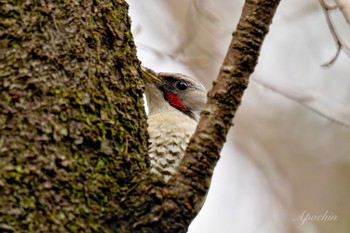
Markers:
<point>73,137</point>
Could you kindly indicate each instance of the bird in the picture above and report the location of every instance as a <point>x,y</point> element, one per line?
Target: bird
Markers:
<point>174,103</point>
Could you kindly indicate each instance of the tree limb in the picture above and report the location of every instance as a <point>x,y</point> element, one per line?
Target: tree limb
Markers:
<point>185,193</point>
<point>340,44</point>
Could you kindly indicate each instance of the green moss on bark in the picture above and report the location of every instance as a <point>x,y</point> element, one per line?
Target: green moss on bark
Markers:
<point>72,123</point>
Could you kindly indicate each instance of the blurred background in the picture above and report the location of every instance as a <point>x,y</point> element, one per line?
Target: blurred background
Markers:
<point>286,165</point>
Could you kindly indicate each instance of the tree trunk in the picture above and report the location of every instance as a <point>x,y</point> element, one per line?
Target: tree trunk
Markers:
<point>73,137</point>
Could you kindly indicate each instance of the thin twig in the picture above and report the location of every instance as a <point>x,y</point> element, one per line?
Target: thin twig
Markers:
<point>340,44</point>
<point>312,101</point>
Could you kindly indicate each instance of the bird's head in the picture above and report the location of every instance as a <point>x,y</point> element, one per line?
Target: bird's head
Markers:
<point>174,91</point>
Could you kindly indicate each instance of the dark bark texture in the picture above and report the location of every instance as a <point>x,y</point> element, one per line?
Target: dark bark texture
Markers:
<point>72,122</point>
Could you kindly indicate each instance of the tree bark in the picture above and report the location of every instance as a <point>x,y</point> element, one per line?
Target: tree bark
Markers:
<point>73,136</point>
<point>73,139</point>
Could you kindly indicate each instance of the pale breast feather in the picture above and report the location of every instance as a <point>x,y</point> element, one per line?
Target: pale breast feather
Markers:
<point>168,142</point>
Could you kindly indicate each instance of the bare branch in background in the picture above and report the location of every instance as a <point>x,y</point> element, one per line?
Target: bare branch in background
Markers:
<point>344,7</point>
<point>340,44</point>
<point>313,101</point>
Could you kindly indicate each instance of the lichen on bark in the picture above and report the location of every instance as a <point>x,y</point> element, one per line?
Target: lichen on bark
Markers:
<point>72,123</point>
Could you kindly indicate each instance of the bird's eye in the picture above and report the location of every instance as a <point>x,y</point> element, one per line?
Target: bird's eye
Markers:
<point>182,85</point>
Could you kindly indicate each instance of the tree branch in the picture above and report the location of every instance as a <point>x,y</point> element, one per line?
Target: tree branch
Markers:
<point>185,193</point>
<point>340,44</point>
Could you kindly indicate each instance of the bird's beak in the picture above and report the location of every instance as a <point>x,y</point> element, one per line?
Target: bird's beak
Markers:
<point>150,75</point>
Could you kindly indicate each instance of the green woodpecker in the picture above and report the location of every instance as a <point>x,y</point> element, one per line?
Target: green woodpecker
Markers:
<point>174,103</point>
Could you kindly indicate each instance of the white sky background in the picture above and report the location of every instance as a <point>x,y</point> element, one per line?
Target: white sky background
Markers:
<point>282,159</point>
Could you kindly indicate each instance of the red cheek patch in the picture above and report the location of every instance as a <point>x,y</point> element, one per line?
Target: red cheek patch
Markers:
<point>174,101</point>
